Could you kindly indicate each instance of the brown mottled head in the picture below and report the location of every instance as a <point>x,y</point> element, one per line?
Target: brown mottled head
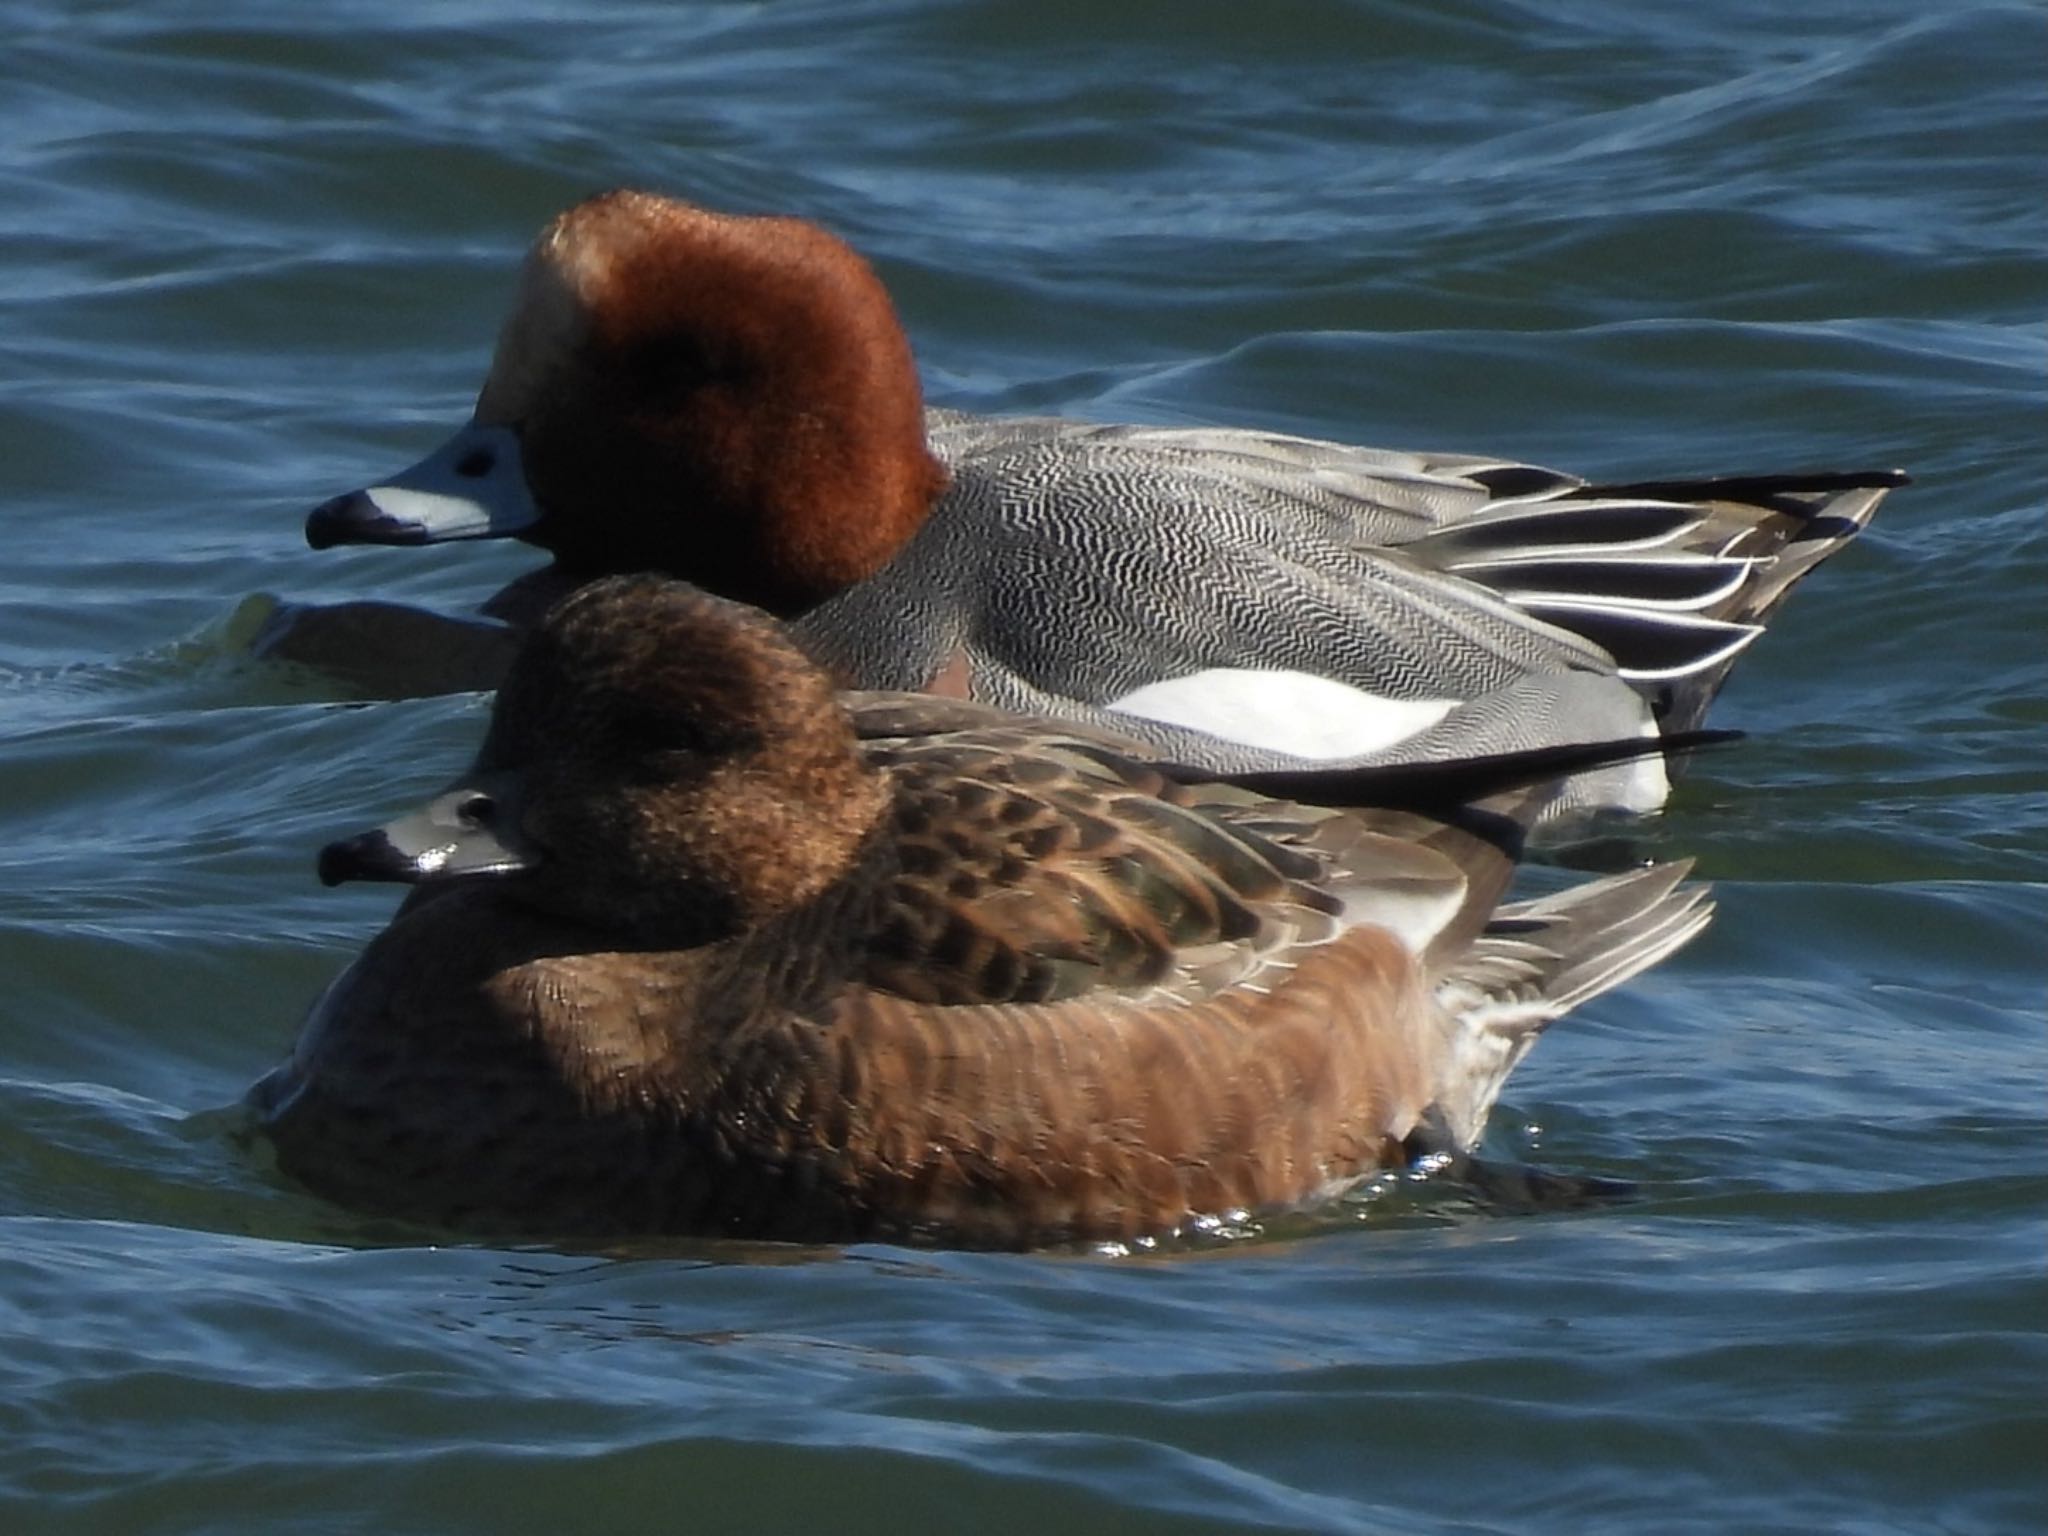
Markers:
<point>726,399</point>
<point>678,769</point>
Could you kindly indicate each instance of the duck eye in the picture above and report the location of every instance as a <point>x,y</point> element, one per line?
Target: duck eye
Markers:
<point>476,463</point>
<point>478,811</point>
<point>671,363</point>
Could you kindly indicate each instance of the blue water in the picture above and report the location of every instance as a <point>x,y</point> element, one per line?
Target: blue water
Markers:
<point>251,255</point>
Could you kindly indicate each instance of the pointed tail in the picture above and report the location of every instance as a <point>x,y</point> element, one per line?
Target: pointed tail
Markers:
<point>1537,960</point>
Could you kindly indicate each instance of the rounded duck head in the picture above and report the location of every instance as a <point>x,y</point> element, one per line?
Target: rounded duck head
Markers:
<point>727,399</point>
<point>681,770</point>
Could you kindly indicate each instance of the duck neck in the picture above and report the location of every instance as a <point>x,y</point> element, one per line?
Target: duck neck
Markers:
<point>794,961</point>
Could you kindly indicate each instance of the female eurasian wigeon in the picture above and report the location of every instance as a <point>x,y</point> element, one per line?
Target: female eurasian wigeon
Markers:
<point>731,400</point>
<point>717,953</point>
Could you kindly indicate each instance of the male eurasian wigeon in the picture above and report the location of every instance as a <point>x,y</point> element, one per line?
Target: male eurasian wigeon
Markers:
<point>703,948</point>
<point>731,400</point>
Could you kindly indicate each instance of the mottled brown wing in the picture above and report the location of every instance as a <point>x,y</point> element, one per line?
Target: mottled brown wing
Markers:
<point>882,715</point>
<point>1034,869</point>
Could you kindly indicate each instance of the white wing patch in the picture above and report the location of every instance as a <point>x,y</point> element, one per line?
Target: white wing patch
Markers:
<point>1292,712</point>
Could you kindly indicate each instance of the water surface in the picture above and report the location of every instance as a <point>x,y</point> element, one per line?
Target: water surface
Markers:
<point>252,256</point>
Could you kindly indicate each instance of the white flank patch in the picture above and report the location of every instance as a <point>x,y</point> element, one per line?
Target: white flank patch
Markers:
<point>1292,712</point>
<point>1649,786</point>
<point>1641,786</point>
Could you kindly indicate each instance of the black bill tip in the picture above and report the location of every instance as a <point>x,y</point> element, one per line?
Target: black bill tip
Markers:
<point>355,518</point>
<point>369,856</point>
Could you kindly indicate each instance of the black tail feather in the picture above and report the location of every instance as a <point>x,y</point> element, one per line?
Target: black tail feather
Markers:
<point>1757,490</point>
<point>1438,789</point>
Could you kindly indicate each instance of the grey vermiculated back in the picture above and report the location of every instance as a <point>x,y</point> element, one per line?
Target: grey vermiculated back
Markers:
<point>254,251</point>
<point>1105,557</point>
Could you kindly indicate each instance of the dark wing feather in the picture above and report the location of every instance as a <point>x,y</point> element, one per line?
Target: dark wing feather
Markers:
<point>1034,870</point>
